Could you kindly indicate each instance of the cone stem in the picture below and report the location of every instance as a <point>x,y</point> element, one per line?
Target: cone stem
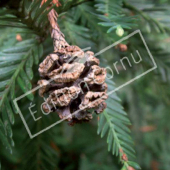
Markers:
<point>58,37</point>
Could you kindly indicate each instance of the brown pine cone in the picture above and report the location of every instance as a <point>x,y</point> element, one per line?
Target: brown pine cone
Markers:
<point>78,84</point>
<point>71,79</point>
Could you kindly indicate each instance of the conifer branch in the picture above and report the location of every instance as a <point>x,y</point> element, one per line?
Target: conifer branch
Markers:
<point>81,2</point>
<point>146,17</point>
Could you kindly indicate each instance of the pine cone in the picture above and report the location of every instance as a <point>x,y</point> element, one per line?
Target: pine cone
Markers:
<point>72,80</point>
<point>77,84</point>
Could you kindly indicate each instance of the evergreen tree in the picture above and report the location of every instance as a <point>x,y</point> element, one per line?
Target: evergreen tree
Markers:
<point>30,30</point>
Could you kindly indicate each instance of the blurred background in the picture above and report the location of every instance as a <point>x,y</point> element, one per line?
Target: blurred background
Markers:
<point>146,101</point>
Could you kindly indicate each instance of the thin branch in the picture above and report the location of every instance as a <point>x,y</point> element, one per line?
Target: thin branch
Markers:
<point>155,9</point>
<point>161,26</point>
<point>81,2</point>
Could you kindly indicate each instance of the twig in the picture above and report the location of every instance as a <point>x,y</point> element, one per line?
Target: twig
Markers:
<point>146,17</point>
<point>81,2</point>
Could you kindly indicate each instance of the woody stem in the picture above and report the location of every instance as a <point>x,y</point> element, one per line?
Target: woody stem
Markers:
<point>58,37</point>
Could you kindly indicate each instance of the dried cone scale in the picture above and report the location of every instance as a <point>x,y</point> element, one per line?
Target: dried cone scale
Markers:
<point>72,80</point>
